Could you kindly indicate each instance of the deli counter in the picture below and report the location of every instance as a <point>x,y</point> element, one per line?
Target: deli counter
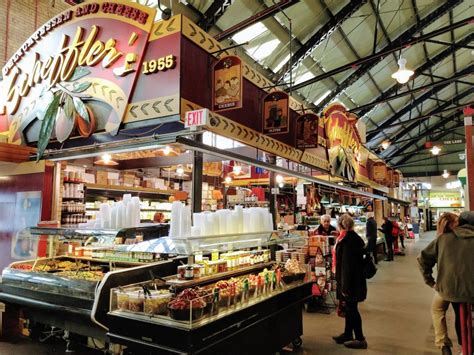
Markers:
<point>61,286</point>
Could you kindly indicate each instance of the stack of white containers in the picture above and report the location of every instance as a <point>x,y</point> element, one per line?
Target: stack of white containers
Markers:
<point>180,225</point>
<point>240,220</point>
<point>122,214</point>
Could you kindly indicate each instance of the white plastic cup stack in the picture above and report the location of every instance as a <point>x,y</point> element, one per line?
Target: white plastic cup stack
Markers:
<point>105,215</point>
<point>239,210</point>
<point>175,223</point>
<point>135,211</point>
<point>185,221</point>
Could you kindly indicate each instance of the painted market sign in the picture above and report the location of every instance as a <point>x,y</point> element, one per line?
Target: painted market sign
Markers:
<point>344,141</point>
<point>78,71</point>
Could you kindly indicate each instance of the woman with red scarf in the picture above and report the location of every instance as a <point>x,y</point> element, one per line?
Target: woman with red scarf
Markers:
<point>348,256</point>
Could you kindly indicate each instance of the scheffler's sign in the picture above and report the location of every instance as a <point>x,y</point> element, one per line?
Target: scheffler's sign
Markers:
<point>77,72</point>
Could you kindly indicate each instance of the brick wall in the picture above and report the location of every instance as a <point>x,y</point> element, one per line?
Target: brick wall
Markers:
<point>24,17</point>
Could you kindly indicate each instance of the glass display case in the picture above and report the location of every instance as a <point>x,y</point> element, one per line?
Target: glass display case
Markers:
<point>204,309</point>
<point>72,261</point>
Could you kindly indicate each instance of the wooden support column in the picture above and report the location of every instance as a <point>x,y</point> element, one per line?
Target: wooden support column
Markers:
<point>469,132</point>
<point>378,211</point>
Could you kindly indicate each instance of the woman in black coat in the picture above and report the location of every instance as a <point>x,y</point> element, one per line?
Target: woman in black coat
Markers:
<point>351,282</point>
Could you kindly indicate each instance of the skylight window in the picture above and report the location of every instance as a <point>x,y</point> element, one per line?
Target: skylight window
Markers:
<point>281,64</point>
<point>249,33</point>
<point>262,51</point>
<point>306,76</point>
<point>323,96</point>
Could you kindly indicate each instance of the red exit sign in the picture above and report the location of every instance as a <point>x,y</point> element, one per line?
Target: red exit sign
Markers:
<point>196,118</point>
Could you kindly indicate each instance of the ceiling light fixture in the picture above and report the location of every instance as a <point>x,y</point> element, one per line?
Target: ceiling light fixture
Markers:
<point>166,150</point>
<point>385,144</point>
<point>106,159</point>
<point>279,179</point>
<point>402,75</point>
<point>280,185</point>
<point>228,180</point>
<point>180,170</point>
<point>445,174</point>
<point>237,169</point>
<point>435,150</point>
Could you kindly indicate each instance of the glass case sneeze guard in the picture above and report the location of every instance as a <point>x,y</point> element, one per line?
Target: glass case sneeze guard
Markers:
<point>222,243</point>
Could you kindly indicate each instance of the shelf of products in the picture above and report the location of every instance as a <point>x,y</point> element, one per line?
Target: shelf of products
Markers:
<point>128,189</point>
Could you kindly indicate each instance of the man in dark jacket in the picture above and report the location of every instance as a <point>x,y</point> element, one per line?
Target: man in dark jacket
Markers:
<point>371,234</point>
<point>387,231</point>
<point>453,254</point>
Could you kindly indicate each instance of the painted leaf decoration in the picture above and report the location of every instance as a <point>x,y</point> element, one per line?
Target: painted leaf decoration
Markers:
<point>81,87</point>
<point>47,126</point>
<point>81,109</point>
<point>69,107</point>
<point>64,126</point>
<point>80,72</point>
<point>43,104</point>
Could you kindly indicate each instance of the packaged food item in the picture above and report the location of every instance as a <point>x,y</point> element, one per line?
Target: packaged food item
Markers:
<point>181,272</point>
<point>189,272</point>
<point>197,271</point>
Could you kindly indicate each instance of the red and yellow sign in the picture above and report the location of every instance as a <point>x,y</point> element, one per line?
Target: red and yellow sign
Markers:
<point>344,141</point>
<point>78,72</point>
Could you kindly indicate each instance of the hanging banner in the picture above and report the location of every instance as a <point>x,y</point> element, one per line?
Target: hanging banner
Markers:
<point>307,127</point>
<point>344,141</point>
<point>276,113</point>
<point>227,84</point>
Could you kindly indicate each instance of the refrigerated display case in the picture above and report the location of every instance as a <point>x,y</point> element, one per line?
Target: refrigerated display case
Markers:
<point>61,288</point>
<point>251,307</point>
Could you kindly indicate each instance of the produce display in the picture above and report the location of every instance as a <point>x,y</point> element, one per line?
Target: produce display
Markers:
<point>192,304</point>
<point>63,268</point>
<point>82,275</point>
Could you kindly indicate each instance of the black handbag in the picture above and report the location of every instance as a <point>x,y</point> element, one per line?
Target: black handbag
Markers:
<point>370,269</point>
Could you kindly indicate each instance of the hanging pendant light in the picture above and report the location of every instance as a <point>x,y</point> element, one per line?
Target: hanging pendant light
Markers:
<point>402,75</point>
<point>435,150</point>
<point>106,160</point>
<point>445,174</point>
<point>385,144</point>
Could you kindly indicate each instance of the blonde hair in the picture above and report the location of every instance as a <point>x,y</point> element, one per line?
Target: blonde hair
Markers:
<point>446,223</point>
<point>346,222</point>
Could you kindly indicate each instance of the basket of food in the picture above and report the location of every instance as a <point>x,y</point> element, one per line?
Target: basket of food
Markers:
<point>188,305</point>
<point>157,302</point>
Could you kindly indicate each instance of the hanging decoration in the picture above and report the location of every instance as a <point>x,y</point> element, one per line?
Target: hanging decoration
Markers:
<point>307,127</point>
<point>227,84</point>
<point>276,113</point>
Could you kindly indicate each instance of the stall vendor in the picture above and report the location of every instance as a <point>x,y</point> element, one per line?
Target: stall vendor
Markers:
<point>325,228</point>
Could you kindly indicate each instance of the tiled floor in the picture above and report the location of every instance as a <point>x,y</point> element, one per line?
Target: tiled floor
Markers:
<point>396,316</point>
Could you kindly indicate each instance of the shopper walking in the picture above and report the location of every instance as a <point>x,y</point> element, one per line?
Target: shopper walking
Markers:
<point>387,227</point>
<point>371,235</point>
<point>452,252</point>
<point>351,282</point>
